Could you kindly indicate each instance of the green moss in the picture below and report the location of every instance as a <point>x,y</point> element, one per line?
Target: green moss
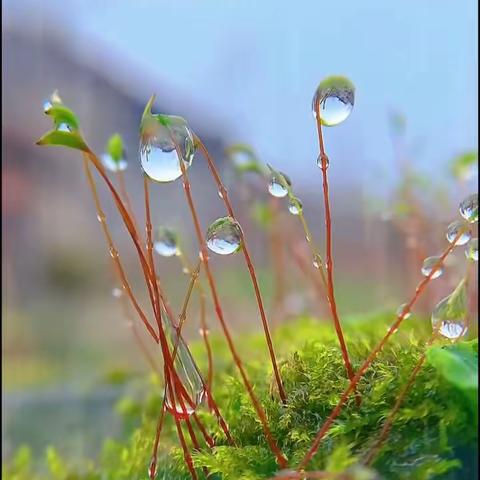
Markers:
<point>434,435</point>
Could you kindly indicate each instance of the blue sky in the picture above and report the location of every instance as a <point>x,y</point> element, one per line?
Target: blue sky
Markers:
<point>255,65</point>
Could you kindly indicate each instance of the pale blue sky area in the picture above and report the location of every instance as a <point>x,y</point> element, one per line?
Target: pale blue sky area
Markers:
<point>255,65</point>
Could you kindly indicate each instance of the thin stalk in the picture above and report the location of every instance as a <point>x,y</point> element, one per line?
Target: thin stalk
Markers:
<point>126,197</point>
<point>152,471</point>
<point>186,452</point>
<point>218,309</point>
<point>204,331</point>
<point>278,262</point>
<point>383,435</point>
<point>251,269</point>
<point>328,247</point>
<point>114,253</point>
<point>371,357</point>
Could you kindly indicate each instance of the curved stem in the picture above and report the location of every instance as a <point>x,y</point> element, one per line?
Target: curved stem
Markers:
<point>218,309</point>
<point>329,256</point>
<point>251,269</point>
<point>371,357</point>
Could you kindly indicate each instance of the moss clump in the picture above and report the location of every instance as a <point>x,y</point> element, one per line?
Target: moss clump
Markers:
<point>434,435</point>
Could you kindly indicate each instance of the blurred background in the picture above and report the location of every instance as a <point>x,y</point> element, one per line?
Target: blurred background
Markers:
<point>239,72</point>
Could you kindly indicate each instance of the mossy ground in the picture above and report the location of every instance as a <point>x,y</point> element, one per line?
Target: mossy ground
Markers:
<point>434,435</point>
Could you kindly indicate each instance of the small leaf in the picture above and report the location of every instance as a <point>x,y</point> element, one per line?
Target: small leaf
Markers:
<point>62,114</point>
<point>65,139</point>
<point>115,147</point>
<point>462,166</point>
<point>457,364</point>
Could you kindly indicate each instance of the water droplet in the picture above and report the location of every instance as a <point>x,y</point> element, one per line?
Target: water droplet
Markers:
<point>64,127</point>
<point>472,250</point>
<point>165,140</point>
<point>276,186</point>
<point>316,262</point>
<point>113,165</point>
<point>295,206</point>
<point>178,404</point>
<point>428,265</point>
<point>220,194</point>
<point>117,292</point>
<point>101,217</point>
<point>166,242</point>
<point>401,312</point>
<point>224,236</point>
<point>469,208</point>
<point>113,253</point>
<point>320,163</point>
<point>335,97</point>
<point>47,105</point>
<point>449,315</point>
<point>458,227</point>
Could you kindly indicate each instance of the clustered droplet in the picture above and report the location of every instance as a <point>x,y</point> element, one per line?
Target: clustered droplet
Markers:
<point>165,140</point>
<point>334,99</point>
<point>429,264</point>
<point>224,236</point>
<point>469,208</point>
<point>166,242</point>
<point>277,187</point>
<point>458,232</point>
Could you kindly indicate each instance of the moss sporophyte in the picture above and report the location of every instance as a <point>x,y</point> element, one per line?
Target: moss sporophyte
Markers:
<point>335,400</point>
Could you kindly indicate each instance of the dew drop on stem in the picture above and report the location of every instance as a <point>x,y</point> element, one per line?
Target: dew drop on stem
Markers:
<point>224,236</point>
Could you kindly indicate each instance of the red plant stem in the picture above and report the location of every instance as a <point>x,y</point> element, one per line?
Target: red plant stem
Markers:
<point>401,397</point>
<point>186,452</point>
<point>371,357</point>
<point>329,256</point>
<point>149,279</point>
<point>218,309</point>
<point>115,258</point>
<point>248,260</point>
<point>389,421</point>
<point>208,438</point>
<point>153,464</point>
<point>126,197</point>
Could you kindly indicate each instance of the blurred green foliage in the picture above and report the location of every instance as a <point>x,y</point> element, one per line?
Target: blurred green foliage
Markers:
<point>433,430</point>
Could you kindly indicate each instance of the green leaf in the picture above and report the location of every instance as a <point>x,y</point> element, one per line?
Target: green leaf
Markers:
<point>62,114</point>
<point>115,147</point>
<point>463,165</point>
<point>457,364</point>
<point>65,139</point>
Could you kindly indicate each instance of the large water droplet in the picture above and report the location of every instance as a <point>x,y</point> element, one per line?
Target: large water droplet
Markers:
<point>224,236</point>
<point>428,264</point>
<point>469,208</point>
<point>113,165</point>
<point>166,242</point>
<point>472,250</point>
<point>449,315</point>
<point>335,97</point>
<point>182,405</point>
<point>403,311</point>
<point>321,159</point>
<point>165,140</point>
<point>459,229</point>
<point>295,206</point>
<point>277,187</point>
